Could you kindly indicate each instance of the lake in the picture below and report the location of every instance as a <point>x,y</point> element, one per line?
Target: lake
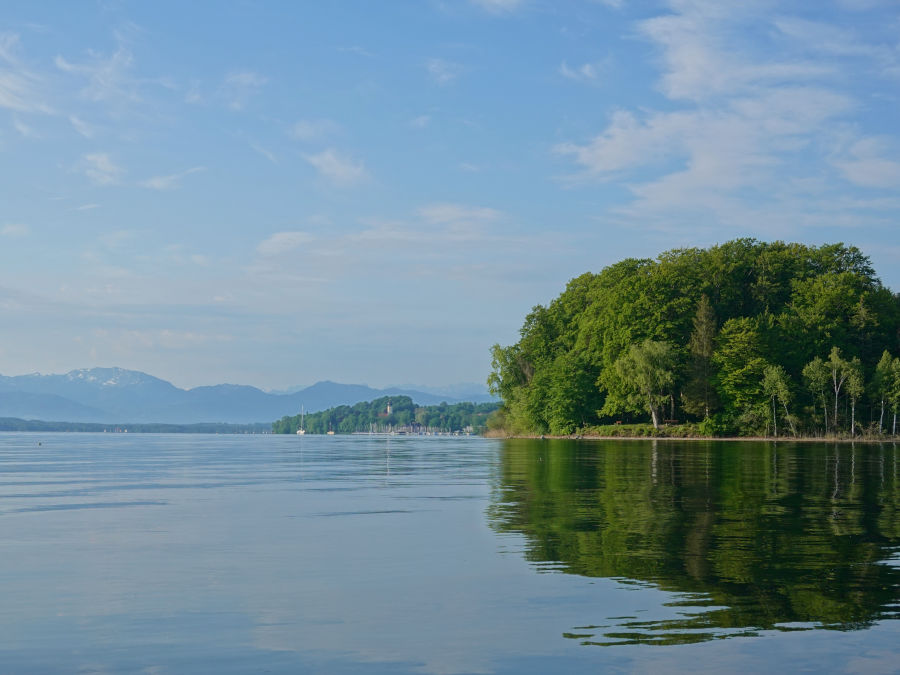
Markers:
<point>202,553</point>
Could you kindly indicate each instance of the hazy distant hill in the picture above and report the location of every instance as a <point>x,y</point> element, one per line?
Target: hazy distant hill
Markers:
<point>118,395</point>
<point>28,405</point>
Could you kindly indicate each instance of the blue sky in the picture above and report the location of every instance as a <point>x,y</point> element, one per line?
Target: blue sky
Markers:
<point>274,193</point>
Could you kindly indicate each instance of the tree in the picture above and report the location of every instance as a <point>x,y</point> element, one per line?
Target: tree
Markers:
<point>838,370</point>
<point>894,392</point>
<point>881,384</point>
<point>645,374</point>
<point>776,385</point>
<point>699,392</point>
<point>572,396</point>
<point>816,375</point>
<point>856,387</point>
<point>741,365</point>
<point>773,303</point>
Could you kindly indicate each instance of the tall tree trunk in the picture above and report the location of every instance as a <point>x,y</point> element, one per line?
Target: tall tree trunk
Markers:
<point>881,419</point>
<point>834,420</point>
<point>852,418</point>
<point>788,417</point>
<point>654,415</point>
<point>774,418</point>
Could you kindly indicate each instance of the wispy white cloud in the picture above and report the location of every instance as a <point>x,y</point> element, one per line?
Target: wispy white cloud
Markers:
<point>19,87</point>
<point>116,240</point>
<point>702,54</point>
<point>283,242</point>
<point>178,255</point>
<point>823,39</point>
<point>628,142</point>
<point>81,126</point>
<point>747,122</point>
<point>108,77</point>
<point>313,130</point>
<point>586,72</point>
<point>865,164</point>
<point>17,92</point>
<point>193,95</point>
<point>111,79</point>
<point>14,230</point>
<point>9,44</point>
<point>240,86</point>
<point>265,152</point>
<point>170,181</point>
<point>432,227</point>
<point>101,169</point>
<point>420,122</point>
<point>86,207</point>
<point>435,240</point>
<point>23,129</point>
<point>337,168</point>
<point>445,212</point>
<point>458,222</point>
<point>443,72</point>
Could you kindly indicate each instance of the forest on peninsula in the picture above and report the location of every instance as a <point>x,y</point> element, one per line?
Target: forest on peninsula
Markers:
<point>745,338</point>
<point>391,413</point>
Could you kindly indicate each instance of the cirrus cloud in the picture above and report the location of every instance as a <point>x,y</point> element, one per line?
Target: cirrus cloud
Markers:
<point>170,181</point>
<point>749,126</point>
<point>283,242</point>
<point>14,230</point>
<point>100,168</point>
<point>337,168</point>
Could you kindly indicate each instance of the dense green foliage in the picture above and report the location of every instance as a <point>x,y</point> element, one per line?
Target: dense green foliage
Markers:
<point>404,415</point>
<point>751,536</point>
<point>746,336</point>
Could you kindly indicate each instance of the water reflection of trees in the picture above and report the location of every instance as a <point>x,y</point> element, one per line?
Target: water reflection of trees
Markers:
<point>751,535</point>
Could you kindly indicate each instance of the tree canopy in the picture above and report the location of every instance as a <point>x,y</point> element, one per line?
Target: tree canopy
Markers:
<point>725,316</point>
<point>390,413</point>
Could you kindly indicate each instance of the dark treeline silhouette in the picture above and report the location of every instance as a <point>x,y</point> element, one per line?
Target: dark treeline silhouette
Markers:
<point>391,413</point>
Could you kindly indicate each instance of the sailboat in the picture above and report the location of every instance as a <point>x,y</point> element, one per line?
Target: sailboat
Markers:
<point>301,430</point>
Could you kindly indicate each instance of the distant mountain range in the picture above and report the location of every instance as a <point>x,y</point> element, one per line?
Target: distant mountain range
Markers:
<point>113,395</point>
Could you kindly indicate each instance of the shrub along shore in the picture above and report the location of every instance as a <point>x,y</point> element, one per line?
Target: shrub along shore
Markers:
<point>684,432</point>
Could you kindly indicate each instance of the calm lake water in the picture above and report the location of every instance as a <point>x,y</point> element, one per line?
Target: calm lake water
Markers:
<point>210,554</point>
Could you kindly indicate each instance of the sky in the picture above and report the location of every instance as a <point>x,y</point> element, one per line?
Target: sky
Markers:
<point>276,193</point>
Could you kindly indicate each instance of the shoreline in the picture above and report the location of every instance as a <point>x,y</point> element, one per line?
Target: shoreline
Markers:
<point>769,439</point>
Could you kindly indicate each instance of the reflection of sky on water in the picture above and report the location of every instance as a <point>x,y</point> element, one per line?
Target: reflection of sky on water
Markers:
<point>338,555</point>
